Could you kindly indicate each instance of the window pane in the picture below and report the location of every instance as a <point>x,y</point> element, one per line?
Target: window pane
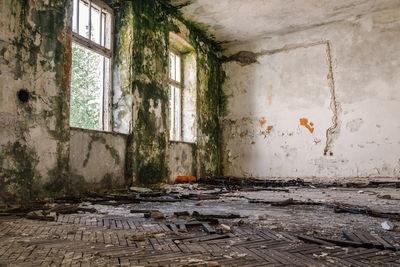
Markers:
<point>107,30</point>
<point>106,95</point>
<point>83,19</point>
<point>74,15</point>
<point>172,66</point>
<point>171,112</point>
<point>177,113</point>
<point>103,28</point>
<point>95,18</point>
<point>87,83</point>
<point>178,69</point>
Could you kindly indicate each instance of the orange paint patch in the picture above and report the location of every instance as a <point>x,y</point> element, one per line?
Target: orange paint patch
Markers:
<point>269,128</point>
<point>304,122</point>
<point>243,91</point>
<point>262,121</point>
<point>270,99</point>
<point>182,179</point>
<point>262,132</point>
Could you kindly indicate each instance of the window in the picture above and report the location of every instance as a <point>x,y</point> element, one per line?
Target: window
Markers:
<point>175,88</point>
<point>91,65</point>
<point>182,90</point>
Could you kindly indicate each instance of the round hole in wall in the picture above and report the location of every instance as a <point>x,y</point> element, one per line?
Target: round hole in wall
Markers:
<point>23,95</point>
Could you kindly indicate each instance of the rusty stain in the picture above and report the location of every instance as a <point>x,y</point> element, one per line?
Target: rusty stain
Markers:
<point>262,121</point>
<point>270,94</point>
<point>243,134</point>
<point>243,91</point>
<point>304,122</point>
<point>330,84</point>
<point>328,77</point>
<point>65,37</point>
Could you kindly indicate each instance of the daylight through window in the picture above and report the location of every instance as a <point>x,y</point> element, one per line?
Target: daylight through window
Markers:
<point>175,88</point>
<point>91,65</point>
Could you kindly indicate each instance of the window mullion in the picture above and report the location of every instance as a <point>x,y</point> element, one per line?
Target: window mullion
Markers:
<point>90,20</point>
<point>77,16</point>
<point>175,66</point>
<point>179,115</point>
<point>101,26</point>
<point>103,96</point>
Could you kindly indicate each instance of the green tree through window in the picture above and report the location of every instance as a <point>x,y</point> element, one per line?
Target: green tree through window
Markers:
<point>86,88</point>
<point>91,65</point>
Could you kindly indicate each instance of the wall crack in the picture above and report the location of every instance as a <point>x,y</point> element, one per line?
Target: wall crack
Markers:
<point>332,132</point>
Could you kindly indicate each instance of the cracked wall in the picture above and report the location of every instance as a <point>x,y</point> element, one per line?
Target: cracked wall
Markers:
<point>329,96</point>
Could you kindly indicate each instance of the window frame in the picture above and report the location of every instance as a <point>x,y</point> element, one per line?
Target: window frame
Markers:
<point>180,86</point>
<point>88,43</point>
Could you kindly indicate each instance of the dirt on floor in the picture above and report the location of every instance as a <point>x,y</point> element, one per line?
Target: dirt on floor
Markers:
<point>203,224</point>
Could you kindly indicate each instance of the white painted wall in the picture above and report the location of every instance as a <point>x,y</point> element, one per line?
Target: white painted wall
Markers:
<point>293,80</point>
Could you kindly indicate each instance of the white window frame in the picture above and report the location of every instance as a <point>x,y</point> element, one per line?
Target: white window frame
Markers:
<point>105,50</point>
<point>175,88</point>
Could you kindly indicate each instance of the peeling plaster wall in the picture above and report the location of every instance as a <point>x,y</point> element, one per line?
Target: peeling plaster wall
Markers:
<point>98,159</point>
<point>34,135</point>
<point>122,68</point>
<point>320,103</point>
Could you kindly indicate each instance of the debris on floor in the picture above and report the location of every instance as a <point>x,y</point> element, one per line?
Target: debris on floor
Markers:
<point>223,223</point>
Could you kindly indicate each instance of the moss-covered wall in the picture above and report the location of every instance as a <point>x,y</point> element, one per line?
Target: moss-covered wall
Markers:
<point>122,67</point>
<point>34,98</point>
<point>148,148</point>
<point>35,54</point>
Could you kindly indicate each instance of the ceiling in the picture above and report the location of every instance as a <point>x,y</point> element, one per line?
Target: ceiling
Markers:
<point>246,20</point>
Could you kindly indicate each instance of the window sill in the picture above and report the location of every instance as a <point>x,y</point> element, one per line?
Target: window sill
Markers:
<point>96,131</point>
<point>181,142</point>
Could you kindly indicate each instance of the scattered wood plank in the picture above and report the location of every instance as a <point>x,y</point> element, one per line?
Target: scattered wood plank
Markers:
<point>309,239</point>
<point>208,228</point>
<point>181,213</point>
<point>143,211</point>
<point>159,200</point>
<point>216,216</point>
